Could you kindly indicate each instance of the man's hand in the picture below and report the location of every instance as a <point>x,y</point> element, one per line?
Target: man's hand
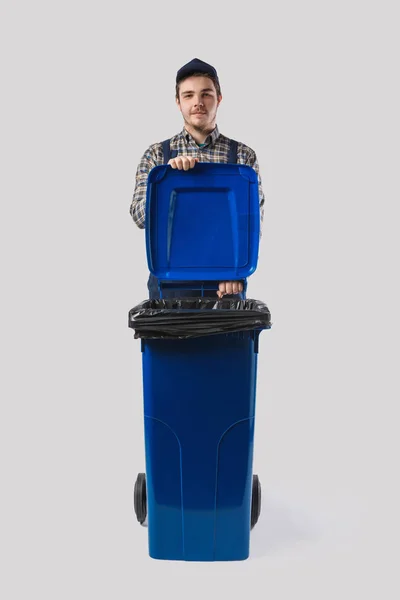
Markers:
<point>229,287</point>
<point>183,162</point>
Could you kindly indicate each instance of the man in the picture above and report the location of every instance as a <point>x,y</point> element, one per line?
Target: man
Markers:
<point>198,96</point>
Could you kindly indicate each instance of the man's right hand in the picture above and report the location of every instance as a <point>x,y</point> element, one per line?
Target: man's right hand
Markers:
<point>183,162</point>
<point>229,287</point>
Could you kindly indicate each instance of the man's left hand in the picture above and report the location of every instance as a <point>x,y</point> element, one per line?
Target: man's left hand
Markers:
<point>229,287</point>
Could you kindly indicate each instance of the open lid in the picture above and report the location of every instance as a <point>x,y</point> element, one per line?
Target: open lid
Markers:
<point>204,223</point>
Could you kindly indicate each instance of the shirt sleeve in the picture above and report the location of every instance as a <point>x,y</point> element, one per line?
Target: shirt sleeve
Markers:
<point>138,205</point>
<point>253,162</point>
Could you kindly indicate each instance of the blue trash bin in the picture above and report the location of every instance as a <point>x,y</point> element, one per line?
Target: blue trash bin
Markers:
<point>199,492</point>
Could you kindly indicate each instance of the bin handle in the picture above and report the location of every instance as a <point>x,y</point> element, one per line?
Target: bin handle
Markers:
<point>194,285</point>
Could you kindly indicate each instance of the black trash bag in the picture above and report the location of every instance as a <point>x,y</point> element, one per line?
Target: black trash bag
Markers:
<point>182,318</point>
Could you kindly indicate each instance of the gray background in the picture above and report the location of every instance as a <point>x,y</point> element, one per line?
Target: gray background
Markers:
<point>313,88</point>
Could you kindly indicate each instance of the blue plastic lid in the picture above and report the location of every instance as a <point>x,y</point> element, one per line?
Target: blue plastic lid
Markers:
<point>204,223</point>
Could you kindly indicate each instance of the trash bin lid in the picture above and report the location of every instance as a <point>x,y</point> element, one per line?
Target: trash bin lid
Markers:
<point>204,223</point>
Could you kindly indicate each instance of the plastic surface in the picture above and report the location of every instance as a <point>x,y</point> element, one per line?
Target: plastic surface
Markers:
<point>202,224</point>
<point>199,407</point>
<point>191,289</point>
<point>195,317</point>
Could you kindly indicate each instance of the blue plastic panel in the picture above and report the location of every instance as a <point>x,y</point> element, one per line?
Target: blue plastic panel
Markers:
<point>202,224</point>
<point>199,407</point>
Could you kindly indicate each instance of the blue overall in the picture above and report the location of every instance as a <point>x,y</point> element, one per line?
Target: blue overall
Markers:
<point>195,288</point>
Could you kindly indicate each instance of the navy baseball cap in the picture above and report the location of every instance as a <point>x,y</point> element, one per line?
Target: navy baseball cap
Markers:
<point>196,66</point>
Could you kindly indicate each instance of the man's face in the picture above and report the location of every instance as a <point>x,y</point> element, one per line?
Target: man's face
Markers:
<point>198,103</point>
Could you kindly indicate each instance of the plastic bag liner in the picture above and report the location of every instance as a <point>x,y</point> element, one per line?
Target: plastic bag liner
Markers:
<point>181,318</point>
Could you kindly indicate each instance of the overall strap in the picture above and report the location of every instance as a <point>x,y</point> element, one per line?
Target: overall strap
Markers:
<point>232,156</point>
<point>167,152</point>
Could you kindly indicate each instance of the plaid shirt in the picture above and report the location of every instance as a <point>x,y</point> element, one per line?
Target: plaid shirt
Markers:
<point>216,150</point>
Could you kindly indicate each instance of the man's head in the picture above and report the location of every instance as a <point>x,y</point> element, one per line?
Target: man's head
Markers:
<point>198,95</point>
<point>197,67</point>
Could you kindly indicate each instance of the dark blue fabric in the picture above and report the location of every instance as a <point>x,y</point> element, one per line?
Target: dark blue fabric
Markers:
<point>232,157</point>
<point>196,66</point>
<point>167,152</point>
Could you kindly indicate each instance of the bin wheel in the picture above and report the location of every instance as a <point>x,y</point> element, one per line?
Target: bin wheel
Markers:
<point>255,501</point>
<point>140,498</point>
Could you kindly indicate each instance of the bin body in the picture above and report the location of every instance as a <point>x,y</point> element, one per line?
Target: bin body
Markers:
<point>199,409</point>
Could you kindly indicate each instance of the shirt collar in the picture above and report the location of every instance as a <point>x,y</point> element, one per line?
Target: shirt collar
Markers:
<point>210,139</point>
